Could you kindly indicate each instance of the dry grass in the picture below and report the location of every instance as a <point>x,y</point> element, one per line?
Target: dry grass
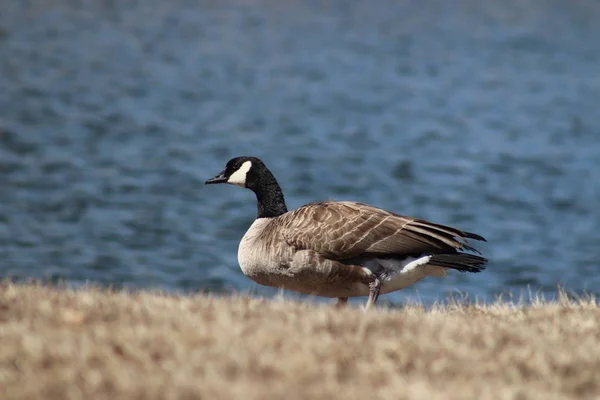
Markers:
<point>97,344</point>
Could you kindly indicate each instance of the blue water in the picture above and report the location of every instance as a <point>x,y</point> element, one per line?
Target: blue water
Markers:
<point>480,115</point>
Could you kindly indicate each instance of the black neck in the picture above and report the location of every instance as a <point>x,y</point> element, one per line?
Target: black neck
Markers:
<point>269,196</point>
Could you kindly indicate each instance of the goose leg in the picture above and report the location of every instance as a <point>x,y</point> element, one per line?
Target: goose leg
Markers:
<point>342,301</point>
<point>374,288</point>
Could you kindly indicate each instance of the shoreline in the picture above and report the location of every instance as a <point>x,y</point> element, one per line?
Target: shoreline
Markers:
<point>61,343</point>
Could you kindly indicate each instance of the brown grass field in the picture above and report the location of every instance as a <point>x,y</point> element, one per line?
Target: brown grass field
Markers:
<point>93,343</point>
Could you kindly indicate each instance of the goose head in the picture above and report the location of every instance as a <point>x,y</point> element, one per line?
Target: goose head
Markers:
<point>251,173</point>
<point>239,171</point>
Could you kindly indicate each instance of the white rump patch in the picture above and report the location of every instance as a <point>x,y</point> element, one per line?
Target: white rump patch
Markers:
<point>238,178</point>
<point>412,263</point>
<point>403,273</point>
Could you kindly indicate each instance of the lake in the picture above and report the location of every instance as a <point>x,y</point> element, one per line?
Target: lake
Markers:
<point>484,116</point>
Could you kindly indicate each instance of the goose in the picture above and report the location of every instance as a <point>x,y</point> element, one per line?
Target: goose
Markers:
<point>340,249</point>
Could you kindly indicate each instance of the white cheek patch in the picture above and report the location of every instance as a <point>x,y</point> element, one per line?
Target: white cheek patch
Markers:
<point>239,177</point>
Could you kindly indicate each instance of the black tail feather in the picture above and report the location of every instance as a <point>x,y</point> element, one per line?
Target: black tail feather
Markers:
<point>460,261</point>
<point>475,236</point>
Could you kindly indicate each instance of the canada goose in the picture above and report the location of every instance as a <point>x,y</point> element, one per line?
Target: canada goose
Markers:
<point>340,248</point>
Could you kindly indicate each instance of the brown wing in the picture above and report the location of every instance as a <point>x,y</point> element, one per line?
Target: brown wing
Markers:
<point>340,230</point>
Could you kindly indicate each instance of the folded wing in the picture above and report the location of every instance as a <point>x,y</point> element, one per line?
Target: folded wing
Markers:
<point>344,230</point>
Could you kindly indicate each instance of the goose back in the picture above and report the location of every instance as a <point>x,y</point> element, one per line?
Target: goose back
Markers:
<point>348,230</point>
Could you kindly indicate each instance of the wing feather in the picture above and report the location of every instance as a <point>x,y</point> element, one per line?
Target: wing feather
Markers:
<point>341,230</point>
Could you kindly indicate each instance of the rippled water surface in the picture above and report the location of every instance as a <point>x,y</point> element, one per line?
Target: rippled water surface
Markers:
<point>480,115</point>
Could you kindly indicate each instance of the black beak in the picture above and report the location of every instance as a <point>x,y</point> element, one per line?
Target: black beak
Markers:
<point>217,179</point>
